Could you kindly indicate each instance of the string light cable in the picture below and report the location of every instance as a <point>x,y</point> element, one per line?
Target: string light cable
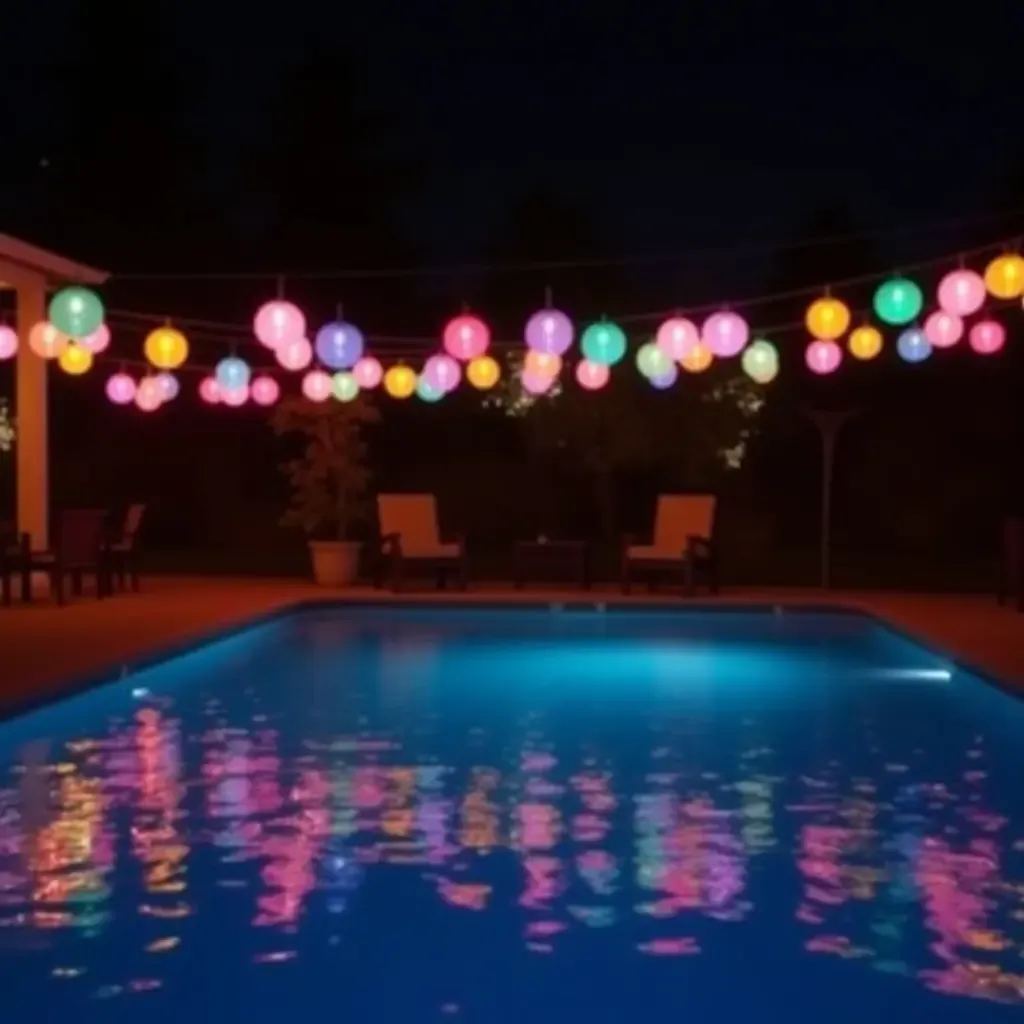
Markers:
<point>687,255</point>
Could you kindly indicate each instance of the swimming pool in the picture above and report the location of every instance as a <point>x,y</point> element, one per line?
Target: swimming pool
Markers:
<point>418,815</point>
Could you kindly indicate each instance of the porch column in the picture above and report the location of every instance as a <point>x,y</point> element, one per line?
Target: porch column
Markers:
<point>32,455</point>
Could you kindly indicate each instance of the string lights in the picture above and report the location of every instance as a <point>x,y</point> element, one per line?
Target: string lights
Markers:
<point>340,362</point>
<point>942,329</point>
<point>8,342</point>
<point>466,337</point>
<point>761,361</point>
<point>865,342</point>
<point>76,311</point>
<point>549,331</point>
<point>483,373</point>
<point>603,343</point>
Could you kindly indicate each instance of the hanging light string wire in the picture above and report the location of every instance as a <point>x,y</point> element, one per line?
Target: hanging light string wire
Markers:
<point>688,256</point>
<point>240,334</point>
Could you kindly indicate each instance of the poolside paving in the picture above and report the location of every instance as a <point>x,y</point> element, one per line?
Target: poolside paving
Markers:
<point>45,648</point>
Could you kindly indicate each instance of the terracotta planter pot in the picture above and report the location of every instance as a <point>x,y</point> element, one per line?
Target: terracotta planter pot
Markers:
<point>335,562</point>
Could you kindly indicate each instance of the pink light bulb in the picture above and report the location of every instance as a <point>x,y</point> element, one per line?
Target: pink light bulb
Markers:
<point>277,322</point>
<point>368,372</point>
<point>294,353</point>
<point>8,342</point>
<point>987,337</point>
<point>535,383</point>
<point>442,373</point>
<point>677,337</point>
<point>98,341</point>
<point>592,376</point>
<point>120,389</point>
<point>942,329</point>
<point>466,337</point>
<point>209,390</point>
<point>961,292</point>
<point>169,386</point>
<point>264,390</point>
<point>823,357</point>
<point>235,397</point>
<point>149,395</point>
<point>317,386</point>
<point>725,334</point>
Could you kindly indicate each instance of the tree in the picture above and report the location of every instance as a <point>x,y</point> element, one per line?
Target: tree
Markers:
<point>330,476</point>
<point>627,437</point>
<point>629,433</point>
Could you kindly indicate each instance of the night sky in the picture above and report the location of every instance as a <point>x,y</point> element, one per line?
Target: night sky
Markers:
<point>704,138</point>
<point>689,126</point>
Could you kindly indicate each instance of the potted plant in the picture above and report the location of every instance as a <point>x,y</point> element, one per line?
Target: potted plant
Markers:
<point>329,480</point>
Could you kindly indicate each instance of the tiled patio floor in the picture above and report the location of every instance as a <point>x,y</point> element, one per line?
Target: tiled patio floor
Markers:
<point>43,648</point>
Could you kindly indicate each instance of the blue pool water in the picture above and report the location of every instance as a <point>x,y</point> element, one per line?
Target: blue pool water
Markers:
<point>443,815</point>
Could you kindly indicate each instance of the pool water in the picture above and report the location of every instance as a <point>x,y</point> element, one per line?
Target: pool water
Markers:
<point>413,815</point>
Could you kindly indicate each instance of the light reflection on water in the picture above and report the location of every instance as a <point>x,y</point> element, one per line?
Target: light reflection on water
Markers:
<point>270,810</point>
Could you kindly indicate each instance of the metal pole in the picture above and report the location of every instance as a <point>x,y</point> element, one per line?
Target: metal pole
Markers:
<point>829,422</point>
<point>828,450</point>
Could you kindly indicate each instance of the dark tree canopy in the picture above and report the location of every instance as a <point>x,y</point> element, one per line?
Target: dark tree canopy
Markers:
<point>627,439</point>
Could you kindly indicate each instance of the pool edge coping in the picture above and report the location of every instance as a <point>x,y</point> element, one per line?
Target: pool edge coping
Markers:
<point>193,642</point>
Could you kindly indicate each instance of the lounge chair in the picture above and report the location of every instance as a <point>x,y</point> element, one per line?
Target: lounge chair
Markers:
<point>410,538</point>
<point>79,550</point>
<point>683,543</point>
<point>123,550</point>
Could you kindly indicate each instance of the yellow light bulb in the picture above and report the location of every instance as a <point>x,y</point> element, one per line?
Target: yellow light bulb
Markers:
<point>865,342</point>
<point>827,319</point>
<point>166,348</point>
<point>1004,276</point>
<point>400,381</point>
<point>75,360</point>
<point>483,372</point>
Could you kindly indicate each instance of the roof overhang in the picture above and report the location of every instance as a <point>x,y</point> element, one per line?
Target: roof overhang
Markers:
<point>18,256</point>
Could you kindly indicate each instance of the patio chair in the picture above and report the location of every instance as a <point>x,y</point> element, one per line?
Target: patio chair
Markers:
<point>79,550</point>
<point>410,538</point>
<point>683,543</point>
<point>123,550</point>
<point>13,552</point>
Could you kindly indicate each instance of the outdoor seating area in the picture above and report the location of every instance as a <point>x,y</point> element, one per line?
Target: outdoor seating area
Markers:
<point>94,546</point>
<point>682,552</point>
<point>682,544</point>
<point>411,541</point>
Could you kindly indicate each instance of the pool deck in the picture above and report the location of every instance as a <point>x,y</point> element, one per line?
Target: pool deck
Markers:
<point>44,648</point>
